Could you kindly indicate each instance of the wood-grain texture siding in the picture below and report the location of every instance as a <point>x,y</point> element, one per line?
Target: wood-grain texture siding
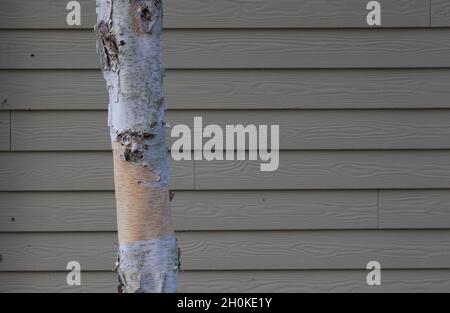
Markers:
<point>230,14</point>
<point>240,250</point>
<point>239,89</point>
<point>300,130</point>
<point>364,174</point>
<point>5,131</point>
<point>242,281</point>
<point>238,49</point>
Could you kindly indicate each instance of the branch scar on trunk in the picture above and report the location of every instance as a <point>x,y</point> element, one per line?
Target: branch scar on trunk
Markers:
<point>148,14</point>
<point>134,142</point>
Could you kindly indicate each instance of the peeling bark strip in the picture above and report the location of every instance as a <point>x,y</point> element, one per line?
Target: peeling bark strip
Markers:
<point>109,47</point>
<point>129,42</point>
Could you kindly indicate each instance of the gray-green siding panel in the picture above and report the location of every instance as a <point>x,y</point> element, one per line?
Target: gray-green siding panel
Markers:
<point>72,171</point>
<point>229,14</point>
<point>299,130</point>
<point>238,89</point>
<point>410,281</point>
<point>4,131</point>
<point>250,48</point>
<point>241,250</point>
<point>440,13</point>
<point>414,208</point>
<point>332,169</point>
<point>194,210</point>
<point>235,210</point>
<point>47,171</point>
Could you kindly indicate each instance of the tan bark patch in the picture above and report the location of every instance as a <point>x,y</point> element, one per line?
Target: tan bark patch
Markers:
<point>142,206</point>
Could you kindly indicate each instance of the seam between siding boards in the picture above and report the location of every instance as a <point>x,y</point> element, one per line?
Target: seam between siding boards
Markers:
<point>378,208</point>
<point>430,13</point>
<point>195,174</point>
<point>10,130</point>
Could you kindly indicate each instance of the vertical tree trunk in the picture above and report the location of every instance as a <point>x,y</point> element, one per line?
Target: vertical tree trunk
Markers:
<point>130,46</point>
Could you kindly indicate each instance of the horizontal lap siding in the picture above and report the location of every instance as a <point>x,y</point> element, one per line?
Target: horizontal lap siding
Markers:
<point>440,13</point>
<point>72,171</point>
<point>195,210</point>
<point>5,131</point>
<point>249,48</point>
<point>235,210</point>
<point>229,14</point>
<point>299,130</point>
<point>411,281</point>
<point>332,169</point>
<point>83,171</point>
<point>240,250</point>
<point>415,209</point>
<point>238,89</point>
<point>364,168</point>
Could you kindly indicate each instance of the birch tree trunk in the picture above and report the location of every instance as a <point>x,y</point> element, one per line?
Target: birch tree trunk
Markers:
<point>130,47</point>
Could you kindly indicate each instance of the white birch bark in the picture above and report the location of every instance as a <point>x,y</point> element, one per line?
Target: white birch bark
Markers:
<point>130,47</point>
